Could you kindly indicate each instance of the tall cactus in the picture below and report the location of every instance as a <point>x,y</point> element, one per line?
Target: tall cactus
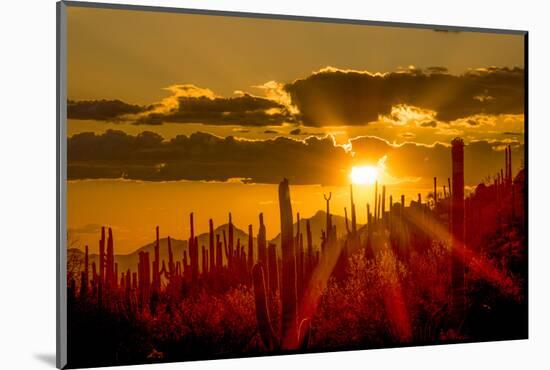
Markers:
<point>102,260</point>
<point>171,265</point>
<point>128,289</point>
<point>115,276</point>
<point>329,219</point>
<point>230,238</point>
<point>203,259</point>
<point>156,263</point>
<point>211,244</point>
<point>250,253</point>
<point>288,288</point>
<point>219,255</point>
<point>368,247</point>
<point>186,272</point>
<point>272,268</point>
<point>270,340</point>
<point>193,246</point>
<point>262,242</point>
<point>110,262</point>
<point>346,219</point>
<point>291,338</point>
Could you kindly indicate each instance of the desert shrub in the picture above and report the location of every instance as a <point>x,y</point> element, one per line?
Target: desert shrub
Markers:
<point>351,312</point>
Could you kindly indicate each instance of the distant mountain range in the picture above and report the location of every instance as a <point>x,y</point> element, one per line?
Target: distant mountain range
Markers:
<point>130,261</point>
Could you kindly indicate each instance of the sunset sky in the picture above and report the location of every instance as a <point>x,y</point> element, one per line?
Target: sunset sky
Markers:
<point>198,103</point>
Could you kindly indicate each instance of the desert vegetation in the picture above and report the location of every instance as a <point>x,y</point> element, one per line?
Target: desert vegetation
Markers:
<point>444,269</point>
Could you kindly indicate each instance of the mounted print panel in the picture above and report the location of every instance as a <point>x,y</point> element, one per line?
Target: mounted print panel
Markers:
<point>244,185</point>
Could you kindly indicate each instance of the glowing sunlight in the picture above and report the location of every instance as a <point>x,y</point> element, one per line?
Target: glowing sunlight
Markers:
<point>363,175</point>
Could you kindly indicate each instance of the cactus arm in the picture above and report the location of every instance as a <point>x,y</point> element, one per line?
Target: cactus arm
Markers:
<point>269,339</point>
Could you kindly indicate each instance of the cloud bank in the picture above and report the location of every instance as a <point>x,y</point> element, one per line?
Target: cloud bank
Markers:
<point>330,97</point>
<point>313,160</point>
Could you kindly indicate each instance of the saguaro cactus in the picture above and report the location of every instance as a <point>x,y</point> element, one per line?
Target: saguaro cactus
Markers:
<point>102,258</point>
<point>193,246</point>
<point>211,244</point>
<point>230,245</point>
<point>329,219</point>
<point>273,271</point>
<point>128,289</point>
<point>156,263</point>
<point>171,265</point>
<point>262,242</point>
<point>219,255</point>
<point>270,340</point>
<point>115,276</point>
<point>250,253</point>
<point>111,278</point>
<point>204,258</point>
<point>288,288</point>
<point>186,267</point>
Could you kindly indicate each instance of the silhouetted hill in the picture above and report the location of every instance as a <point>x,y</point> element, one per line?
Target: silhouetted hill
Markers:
<point>130,261</point>
<point>317,223</point>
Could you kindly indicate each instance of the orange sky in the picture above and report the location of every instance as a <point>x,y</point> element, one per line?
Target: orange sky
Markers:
<point>145,58</point>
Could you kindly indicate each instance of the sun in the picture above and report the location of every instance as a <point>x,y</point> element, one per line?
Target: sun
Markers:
<point>363,175</point>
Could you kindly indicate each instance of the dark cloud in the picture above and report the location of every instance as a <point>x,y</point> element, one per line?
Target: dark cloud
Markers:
<point>270,132</point>
<point>314,160</point>
<point>202,156</point>
<point>337,97</point>
<point>330,97</point>
<point>102,110</point>
<point>246,110</point>
<point>296,131</point>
